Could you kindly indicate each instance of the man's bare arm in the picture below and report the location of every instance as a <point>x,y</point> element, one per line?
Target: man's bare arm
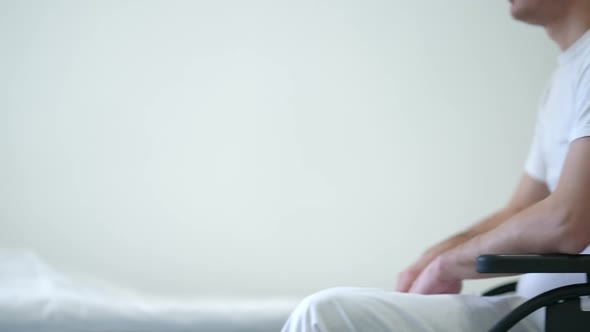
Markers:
<point>528,192</point>
<point>560,223</point>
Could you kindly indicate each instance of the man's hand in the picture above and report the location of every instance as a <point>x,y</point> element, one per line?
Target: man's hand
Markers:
<point>407,277</point>
<point>435,279</point>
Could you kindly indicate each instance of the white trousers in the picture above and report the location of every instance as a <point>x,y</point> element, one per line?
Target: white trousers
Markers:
<point>376,310</point>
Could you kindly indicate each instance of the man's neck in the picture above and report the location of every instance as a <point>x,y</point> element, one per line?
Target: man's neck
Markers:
<point>567,31</point>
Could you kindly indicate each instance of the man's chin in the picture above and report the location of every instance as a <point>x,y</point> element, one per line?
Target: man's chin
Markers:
<point>523,16</point>
<point>517,11</point>
<point>517,15</point>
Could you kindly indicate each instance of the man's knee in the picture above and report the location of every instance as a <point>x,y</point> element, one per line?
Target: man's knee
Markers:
<point>328,300</point>
<point>323,311</point>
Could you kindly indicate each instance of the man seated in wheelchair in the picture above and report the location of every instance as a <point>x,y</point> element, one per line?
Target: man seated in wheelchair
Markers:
<point>549,212</point>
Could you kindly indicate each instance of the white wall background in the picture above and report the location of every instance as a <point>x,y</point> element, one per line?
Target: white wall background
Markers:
<point>258,147</point>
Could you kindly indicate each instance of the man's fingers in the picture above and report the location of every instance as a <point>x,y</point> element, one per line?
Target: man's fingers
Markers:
<point>407,278</point>
<point>434,280</point>
<point>422,285</point>
<point>409,275</point>
<point>404,282</point>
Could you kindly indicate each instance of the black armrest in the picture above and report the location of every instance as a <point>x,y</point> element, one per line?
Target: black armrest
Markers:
<point>551,263</point>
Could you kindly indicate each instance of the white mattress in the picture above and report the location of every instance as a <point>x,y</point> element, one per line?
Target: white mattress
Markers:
<point>35,297</point>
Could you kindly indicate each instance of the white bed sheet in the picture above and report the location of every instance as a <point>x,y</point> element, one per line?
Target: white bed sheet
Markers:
<point>36,298</point>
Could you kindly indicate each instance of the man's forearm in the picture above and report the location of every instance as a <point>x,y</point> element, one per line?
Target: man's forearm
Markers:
<point>542,228</point>
<point>485,225</point>
<point>481,227</point>
<point>490,222</point>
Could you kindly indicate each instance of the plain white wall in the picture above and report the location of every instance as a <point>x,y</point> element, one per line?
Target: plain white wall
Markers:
<point>258,147</point>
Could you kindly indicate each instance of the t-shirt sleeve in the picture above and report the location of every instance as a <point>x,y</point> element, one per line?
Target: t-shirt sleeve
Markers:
<point>535,162</point>
<point>581,124</point>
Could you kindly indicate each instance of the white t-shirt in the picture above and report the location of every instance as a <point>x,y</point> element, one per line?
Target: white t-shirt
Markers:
<point>564,116</point>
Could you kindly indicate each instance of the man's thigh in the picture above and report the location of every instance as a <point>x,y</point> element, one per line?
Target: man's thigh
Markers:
<point>369,309</point>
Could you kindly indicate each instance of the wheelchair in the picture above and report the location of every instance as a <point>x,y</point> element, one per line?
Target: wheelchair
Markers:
<point>563,310</point>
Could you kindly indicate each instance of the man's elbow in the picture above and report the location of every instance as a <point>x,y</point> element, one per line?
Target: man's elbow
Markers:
<point>573,228</point>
